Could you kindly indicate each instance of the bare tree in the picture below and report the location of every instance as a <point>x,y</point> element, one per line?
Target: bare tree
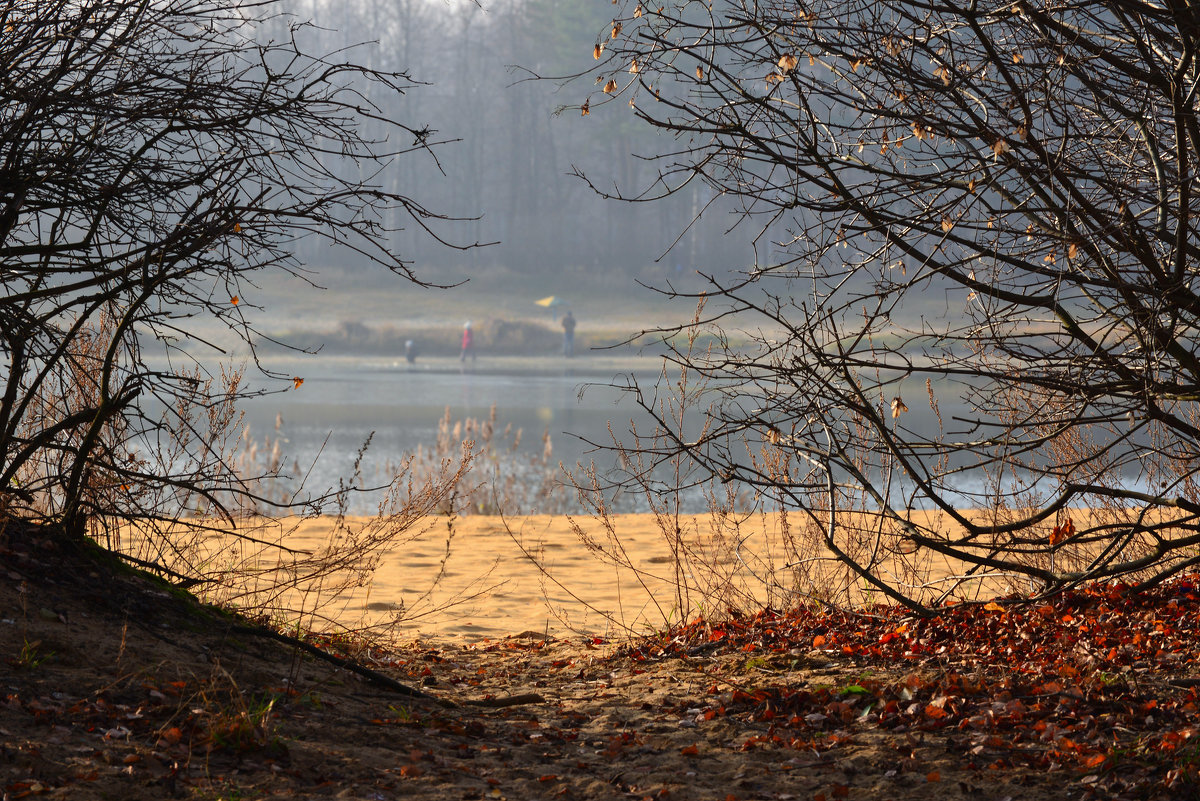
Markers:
<point>975,289</point>
<point>155,157</point>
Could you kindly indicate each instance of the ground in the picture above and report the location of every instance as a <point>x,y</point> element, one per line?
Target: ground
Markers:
<point>118,686</point>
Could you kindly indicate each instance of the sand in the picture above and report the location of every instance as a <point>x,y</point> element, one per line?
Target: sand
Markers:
<point>471,578</point>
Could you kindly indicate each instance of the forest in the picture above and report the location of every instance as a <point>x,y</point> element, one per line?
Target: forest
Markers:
<point>509,141</point>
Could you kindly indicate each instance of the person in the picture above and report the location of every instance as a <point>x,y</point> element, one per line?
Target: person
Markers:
<point>468,343</point>
<point>568,325</point>
<point>410,351</point>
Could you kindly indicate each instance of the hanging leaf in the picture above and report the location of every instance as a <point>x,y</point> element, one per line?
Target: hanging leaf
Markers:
<point>610,87</point>
<point>237,228</point>
<point>947,224</point>
<point>1072,250</point>
<point>1062,532</point>
<point>584,110</point>
<point>699,73</point>
<point>637,12</point>
<point>297,381</point>
<point>616,30</point>
<point>633,68</point>
<point>898,407</point>
<point>597,50</point>
<point>1000,148</point>
<point>234,300</point>
<point>787,63</point>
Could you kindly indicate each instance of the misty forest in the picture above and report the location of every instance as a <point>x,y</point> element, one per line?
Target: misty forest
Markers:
<point>494,90</point>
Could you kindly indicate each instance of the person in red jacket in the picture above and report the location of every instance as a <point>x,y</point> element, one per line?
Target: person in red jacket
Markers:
<point>468,343</point>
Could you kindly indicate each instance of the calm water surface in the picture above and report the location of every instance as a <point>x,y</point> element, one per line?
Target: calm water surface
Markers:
<point>342,402</point>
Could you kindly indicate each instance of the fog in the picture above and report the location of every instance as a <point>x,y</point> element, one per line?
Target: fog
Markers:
<point>503,146</point>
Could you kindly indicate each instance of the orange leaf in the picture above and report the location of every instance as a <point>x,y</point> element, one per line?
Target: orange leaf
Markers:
<point>819,640</point>
<point>992,606</point>
<point>690,750</point>
<point>549,777</point>
<point>597,50</point>
<point>297,381</point>
<point>610,87</point>
<point>933,776</point>
<point>234,300</point>
<point>410,771</point>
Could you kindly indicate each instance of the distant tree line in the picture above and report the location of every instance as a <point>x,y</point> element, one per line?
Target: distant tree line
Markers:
<point>513,155</point>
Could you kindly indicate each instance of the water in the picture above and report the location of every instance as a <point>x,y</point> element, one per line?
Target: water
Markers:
<point>342,402</point>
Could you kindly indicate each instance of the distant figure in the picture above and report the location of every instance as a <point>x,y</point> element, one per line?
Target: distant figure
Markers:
<point>568,324</point>
<point>468,343</point>
<point>410,351</point>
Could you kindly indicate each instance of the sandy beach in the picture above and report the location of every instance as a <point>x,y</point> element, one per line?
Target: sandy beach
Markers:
<point>465,579</point>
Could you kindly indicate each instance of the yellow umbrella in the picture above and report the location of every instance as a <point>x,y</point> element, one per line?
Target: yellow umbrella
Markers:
<point>548,302</point>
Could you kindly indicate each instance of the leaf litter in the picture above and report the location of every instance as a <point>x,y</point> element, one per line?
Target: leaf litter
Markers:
<point>115,686</point>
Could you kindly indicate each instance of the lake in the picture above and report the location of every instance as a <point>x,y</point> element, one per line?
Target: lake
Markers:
<point>343,401</point>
